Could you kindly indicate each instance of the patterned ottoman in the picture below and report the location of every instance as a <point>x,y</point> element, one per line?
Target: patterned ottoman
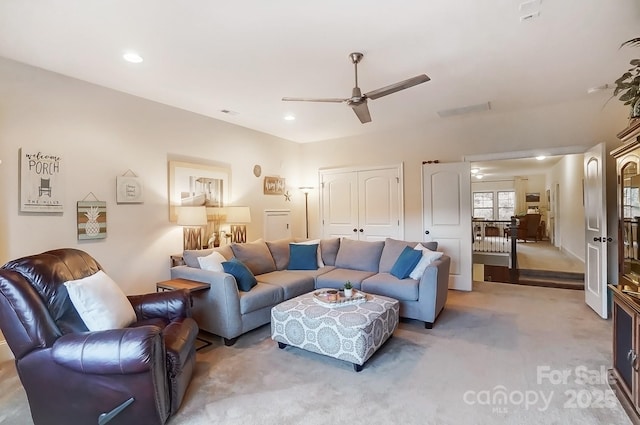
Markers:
<point>352,332</point>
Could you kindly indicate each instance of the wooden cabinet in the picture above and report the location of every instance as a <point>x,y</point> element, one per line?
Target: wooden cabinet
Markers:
<point>626,307</point>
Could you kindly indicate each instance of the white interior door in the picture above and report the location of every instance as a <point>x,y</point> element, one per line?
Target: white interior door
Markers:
<point>379,200</point>
<point>277,225</point>
<point>339,203</point>
<point>447,217</point>
<point>596,238</point>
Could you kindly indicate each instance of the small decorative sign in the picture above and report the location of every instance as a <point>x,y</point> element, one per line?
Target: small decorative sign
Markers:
<point>92,220</point>
<point>274,185</point>
<point>129,189</point>
<point>41,181</point>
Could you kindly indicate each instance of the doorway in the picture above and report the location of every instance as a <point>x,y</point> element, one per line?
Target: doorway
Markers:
<point>555,257</point>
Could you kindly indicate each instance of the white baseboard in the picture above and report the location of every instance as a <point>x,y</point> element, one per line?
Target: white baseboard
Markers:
<point>5,351</point>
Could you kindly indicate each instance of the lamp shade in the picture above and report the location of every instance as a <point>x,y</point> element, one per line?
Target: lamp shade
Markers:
<point>192,216</point>
<point>238,215</point>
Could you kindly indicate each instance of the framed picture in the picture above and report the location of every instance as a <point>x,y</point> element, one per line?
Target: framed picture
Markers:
<point>41,181</point>
<point>533,197</point>
<point>274,185</point>
<point>92,220</point>
<point>129,190</point>
<point>194,184</point>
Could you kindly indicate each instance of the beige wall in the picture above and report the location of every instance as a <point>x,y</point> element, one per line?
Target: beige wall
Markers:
<point>100,134</point>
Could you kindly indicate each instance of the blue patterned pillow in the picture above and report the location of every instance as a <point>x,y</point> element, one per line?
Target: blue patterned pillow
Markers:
<point>406,262</point>
<point>303,257</point>
<point>244,278</point>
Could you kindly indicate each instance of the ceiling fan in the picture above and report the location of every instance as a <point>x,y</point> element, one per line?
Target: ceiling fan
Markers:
<point>358,101</point>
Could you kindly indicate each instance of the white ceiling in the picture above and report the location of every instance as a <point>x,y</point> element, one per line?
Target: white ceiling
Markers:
<point>244,56</point>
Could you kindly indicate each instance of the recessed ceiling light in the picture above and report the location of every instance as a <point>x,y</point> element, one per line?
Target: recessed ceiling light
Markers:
<point>132,57</point>
<point>540,157</point>
<point>289,117</point>
<point>475,170</point>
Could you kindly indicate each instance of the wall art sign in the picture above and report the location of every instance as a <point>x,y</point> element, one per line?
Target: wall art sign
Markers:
<point>41,181</point>
<point>129,190</point>
<point>274,185</point>
<point>194,184</point>
<point>92,220</point>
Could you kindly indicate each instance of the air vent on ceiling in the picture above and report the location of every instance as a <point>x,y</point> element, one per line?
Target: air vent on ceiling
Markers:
<point>465,110</point>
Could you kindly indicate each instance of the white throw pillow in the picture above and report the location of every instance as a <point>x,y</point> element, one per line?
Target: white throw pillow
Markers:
<point>100,302</point>
<point>212,262</point>
<point>319,252</point>
<point>428,257</point>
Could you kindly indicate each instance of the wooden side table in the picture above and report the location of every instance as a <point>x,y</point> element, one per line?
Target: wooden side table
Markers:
<point>173,284</point>
<point>189,285</point>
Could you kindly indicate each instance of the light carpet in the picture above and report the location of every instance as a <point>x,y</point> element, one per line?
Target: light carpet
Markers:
<point>528,344</point>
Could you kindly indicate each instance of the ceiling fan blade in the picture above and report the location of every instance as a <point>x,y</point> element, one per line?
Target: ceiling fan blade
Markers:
<point>362,111</point>
<point>311,99</point>
<point>423,78</point>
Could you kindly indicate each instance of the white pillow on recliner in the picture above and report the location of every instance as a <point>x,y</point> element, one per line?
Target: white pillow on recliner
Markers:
<point>100,302</point>
<point>428,257</point>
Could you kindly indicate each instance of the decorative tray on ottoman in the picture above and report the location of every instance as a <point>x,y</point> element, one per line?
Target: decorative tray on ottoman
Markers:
<point>333,298</point>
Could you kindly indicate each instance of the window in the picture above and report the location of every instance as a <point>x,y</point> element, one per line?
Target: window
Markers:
<point>483,205</point>
<point>506,204</point>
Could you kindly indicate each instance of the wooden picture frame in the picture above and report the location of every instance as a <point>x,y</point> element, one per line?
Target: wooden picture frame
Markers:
<point>274,185</point>
<point>194,184</point>
<point>92,220</point>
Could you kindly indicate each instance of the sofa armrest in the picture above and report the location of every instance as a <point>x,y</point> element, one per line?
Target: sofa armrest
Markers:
<point>170,305</point>
<point>434,286</point>
<point>116,351</point>
<point>217,309</point>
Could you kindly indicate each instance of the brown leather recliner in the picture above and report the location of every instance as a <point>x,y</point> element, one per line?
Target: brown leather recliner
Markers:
<point>73,376</point>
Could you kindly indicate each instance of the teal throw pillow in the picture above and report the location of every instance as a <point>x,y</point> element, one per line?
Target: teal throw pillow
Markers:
<point>303,257</point>
<point>406,262</point>
<point>244,278</point>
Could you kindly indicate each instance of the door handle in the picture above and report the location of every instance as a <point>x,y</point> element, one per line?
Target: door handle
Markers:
<point>602,239</point>
<point>361,230</point>
<point>355,230</point>
<point>597,239</point>
<point>426,232</point>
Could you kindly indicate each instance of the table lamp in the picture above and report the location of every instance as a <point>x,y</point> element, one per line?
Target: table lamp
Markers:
<point>237,217</point>
<point>192,219</point>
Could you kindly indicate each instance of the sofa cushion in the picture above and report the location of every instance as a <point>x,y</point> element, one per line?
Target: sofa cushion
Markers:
<point>100,302</point>
<point>293,283</point>
<point>303,257</point>
<point>359,255</point>
<point>406,262</point>
<point>336,278</point>
<point>244,278</point>
<point>280,252</point>
<point>329,250</point>
<point>190,256</point>
<point>262,295</point>
<point>392,250</point>
<point>212,262</point>
<point>388,285</point>
<point>428,257</point>
<point>255,255</point>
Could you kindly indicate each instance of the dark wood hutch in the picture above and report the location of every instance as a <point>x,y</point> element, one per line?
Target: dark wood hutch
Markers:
<point>625,374</point>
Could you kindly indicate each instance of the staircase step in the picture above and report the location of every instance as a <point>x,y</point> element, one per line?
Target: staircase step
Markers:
<point>552,282</point>
<point>551,274</point>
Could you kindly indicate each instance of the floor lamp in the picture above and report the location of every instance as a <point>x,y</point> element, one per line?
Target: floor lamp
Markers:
<point>305,190</point>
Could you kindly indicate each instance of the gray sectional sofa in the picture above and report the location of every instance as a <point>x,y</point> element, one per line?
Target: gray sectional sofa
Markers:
<point>228,312</point>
